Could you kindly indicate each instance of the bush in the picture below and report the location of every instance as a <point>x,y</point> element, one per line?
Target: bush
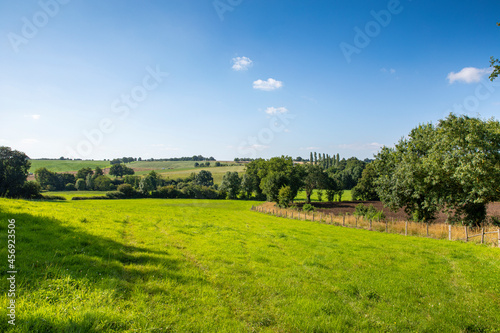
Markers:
<point>53,197</point>
<point>80,184</point>
<point>285,196</point>
<point>167,192</point>
<point>70,187</point>
<point>360,210</point>
<point>31,190</point>
<point>308,208</point>
<point>127,190</point>
<point>115,195</point>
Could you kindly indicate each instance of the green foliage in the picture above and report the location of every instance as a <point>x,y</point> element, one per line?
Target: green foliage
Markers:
<point>127,190</point>
<point>370,212</point>
<point>120,170</point>
<point>366,188</point>
<point>452,166</point>
<point>308,208</point>
<point>495,64</point>
<point>319,193</point>
<point>80,185</point>
<point>103,183</point>
<point>83,172</point>
<point>285,196</point>
<point>30,190</point>
<point>231,184</point>
<point>204,178</point>
<point>70,187</point>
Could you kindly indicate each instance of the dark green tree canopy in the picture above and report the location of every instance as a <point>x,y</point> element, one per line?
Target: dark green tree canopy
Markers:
<point>453,166</point>
<point>14,169</point>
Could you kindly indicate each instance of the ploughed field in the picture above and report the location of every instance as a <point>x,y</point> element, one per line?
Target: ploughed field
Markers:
<point>348,207</point>
<point>216,266</point>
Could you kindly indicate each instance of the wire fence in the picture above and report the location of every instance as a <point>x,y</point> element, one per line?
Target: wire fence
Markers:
<point>481,235</point>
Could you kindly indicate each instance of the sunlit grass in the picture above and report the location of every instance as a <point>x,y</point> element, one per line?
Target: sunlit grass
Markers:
<point>215,266</point>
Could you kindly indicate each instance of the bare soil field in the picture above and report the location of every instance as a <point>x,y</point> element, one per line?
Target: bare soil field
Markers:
<point>340,208</point>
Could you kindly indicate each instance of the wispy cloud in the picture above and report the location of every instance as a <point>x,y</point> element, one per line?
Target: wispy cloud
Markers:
<point>270,84</point>
<point>273,111</point>
<point>33,116</point>
<point>468,75</point>
<point>390,70</point>
<point>242,63</point>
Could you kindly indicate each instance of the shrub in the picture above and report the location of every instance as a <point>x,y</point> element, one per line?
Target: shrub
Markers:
<point>360,210</point>
<point>70,187</point>
<point>285,196</point>
<point>80,184</point>
<point>127,190</point>
<point>52,197</point>
<point>308,208</point>
<point>115,195</point>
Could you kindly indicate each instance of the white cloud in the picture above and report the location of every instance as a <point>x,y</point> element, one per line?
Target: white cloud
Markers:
<point>255,147</point>
<point>273,111</point>
<point>385,70</point>
<point>33,116</point>
<point>468,75</point>
<point>242,63</point>
<point>270,84</point>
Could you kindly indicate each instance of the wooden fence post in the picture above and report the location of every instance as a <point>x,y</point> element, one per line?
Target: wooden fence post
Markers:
<point>313,217</point>
<point>427,228</point>
<point>449,232</point>
<point>466,235</point>
<point>370,224</point>
<point>498,237</point>
<point>343,220</point>
<point>482,235</point>
<point>331,218</point>
<point>356,221</point>
<point>386,226</point>
<point>406,228</point>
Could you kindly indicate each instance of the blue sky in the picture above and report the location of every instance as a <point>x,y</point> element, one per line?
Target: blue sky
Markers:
<point>238,78</point>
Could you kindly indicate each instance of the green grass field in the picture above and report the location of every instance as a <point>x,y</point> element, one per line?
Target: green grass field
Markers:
<point>65,165</point>
<point>215,266</point>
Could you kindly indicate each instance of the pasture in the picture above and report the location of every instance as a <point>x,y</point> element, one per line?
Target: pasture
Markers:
<point>216,266</point>
<point>66,165</point>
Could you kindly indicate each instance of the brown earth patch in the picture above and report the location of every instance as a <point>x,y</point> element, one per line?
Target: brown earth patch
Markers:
<point>340,208</point>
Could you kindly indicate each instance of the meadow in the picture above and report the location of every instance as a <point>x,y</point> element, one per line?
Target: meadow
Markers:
<point>216,266</point>
<point>66,165</point>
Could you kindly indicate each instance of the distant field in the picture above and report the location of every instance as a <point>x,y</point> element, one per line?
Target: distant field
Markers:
<point>70,194</point>
<point>216,266</point>
<point>217,172</point>
<point>65,165</point>
<point>301,196</point>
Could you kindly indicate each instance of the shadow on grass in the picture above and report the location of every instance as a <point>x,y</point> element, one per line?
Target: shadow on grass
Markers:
<point>46,250</point>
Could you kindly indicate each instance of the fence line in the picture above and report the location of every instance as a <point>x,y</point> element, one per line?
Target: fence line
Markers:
<point>487,235</point>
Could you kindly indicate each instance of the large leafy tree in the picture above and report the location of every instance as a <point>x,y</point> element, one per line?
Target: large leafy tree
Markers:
<point>403,179</point>
<point>204,178</point>
<point>231,184</point>
<point>454,165</point>
<point>365,189</point>
<point>120,170</point>
<point>14,169</point>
